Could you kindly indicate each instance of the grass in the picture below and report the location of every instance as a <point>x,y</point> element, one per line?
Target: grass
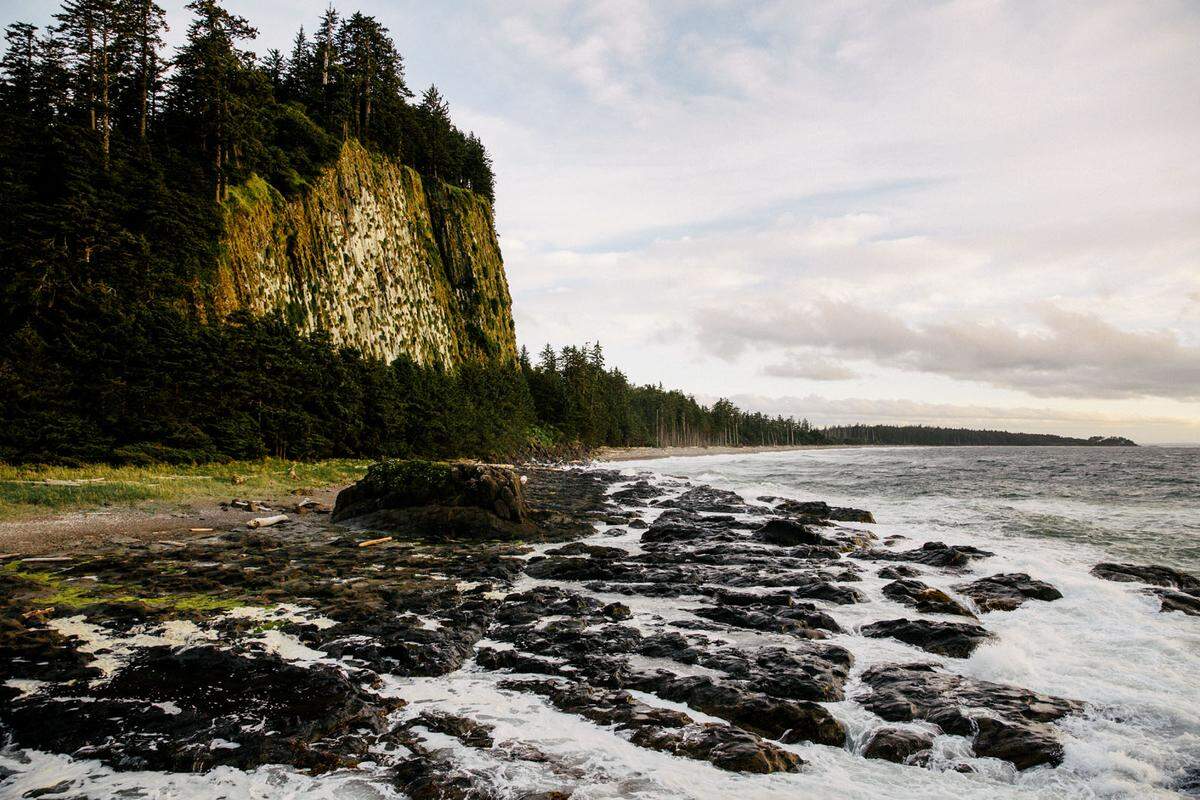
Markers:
<point>30,491</point>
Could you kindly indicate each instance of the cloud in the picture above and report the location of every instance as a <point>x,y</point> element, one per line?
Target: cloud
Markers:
<point>1067,355</point>
<point>810,367</point>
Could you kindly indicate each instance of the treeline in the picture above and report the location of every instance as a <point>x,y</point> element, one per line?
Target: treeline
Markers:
<point>928,435</point>
<point>577,398</point>
<point>169,389</point>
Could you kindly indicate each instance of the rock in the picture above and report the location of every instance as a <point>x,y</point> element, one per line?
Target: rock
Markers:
<point>933,554</point>
<point>899,745</point>
<point>725,746</point>
<point>789,721</point>
<point>590,550</point>
<point>430,498</point>
<point>1152,574</point>
<point>898,572</point>
<point>954,639</point>
<point>268,711</point>
<point>822,510</point>
<point>1024,745</point>
<point>788,533</point>
<point>800,620</point>
<point>467,731</point>
<point>1177,601</point>
<point>816,589</point>
<point>924,598</point>
<point>1006,592</point>
<point>907,692</point>
<point>706,498</point>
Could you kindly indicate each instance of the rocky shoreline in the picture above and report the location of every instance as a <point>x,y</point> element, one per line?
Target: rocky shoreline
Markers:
<point>303,643</point>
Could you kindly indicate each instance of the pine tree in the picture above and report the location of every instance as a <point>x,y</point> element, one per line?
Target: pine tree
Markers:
<point>372,69</point>
<point>276,68</point>
<point>298,66</point>
<point>96,41</point>
<point>210,85</point>
<point>143,22</point>
<point>20,67</point>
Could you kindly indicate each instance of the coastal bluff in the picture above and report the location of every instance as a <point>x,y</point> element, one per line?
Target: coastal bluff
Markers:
<point>380,258</point>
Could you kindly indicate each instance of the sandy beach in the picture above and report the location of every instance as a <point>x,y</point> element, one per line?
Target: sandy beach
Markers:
<point>647,453</point>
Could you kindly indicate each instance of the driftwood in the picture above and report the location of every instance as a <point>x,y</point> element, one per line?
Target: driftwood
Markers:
<point>264,522</point>
<point>370,542</point>
<point>200,530</point>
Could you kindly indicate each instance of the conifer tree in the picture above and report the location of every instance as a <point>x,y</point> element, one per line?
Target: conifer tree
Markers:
<point>20,67</point>
<point>210,85</point>
<point>143,22</point>
<point>97,42</point>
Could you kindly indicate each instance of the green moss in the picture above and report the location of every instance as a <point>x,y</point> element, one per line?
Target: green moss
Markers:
<point>57,591</point>
<point>414,480</point>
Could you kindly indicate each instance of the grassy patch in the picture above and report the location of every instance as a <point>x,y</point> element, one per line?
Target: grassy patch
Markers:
<point>31,491</point>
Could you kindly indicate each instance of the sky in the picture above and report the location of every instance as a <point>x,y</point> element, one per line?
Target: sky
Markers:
<point>974,213</point>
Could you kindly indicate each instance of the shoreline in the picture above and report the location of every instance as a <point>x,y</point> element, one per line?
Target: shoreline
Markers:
<point>649,453</point>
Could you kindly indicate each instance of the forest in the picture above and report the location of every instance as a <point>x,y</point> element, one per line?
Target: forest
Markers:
<point>951,437</point>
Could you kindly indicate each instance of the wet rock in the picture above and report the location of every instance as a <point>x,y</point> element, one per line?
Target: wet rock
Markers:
<point>907,692</point>
<point>590,550</point>
<point>933,554</point>
<point>899,572</point>
<point>1024,745</point>
<point>816,589</point>
<point>803,671</point>
<point>707,498</point>
<point>467,731</point>
<point>924,598</point>
<point>822,510</point>
<point>1151,574</point>
<point>1178,601</point>
<point>789,721</point>
<point>954,639</point>
<point>804,620</point>
<point>789,533</point>
<point>638,524</point>
<point>641,490</point>
<point>192,710</point>
<point>429,498</point>
<point>899,745</point>
<point>1006,592</point>
<point>728,598</point>
<point>725,746</point>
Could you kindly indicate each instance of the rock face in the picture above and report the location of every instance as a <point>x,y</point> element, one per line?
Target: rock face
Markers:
<point>1006,592</point>
<point>383,260</point>
<point>436,499</point>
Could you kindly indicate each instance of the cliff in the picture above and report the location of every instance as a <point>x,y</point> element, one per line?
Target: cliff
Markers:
<point>384,261</point>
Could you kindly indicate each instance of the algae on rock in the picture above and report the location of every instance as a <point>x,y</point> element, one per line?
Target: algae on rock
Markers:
<point>382,260</point>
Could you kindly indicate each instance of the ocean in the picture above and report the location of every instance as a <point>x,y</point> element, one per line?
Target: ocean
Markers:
<point>1051,512</point>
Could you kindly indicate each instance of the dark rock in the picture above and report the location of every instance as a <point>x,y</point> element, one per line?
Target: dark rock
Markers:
<point>898,572</point>
<point>924,598</point>
<point>430,498</point>
<point>954,639</point>
<point>800,620</point>
<point>788,533</point>
<point>933,554</point>
<point>1024,745</point>
<point>725,746</point>
<point>275,713</point>
<point>467,731</point>
<point>638,524</point>
<point>1152,574</point>
<point>816,589</point>
<point>591,550</point>
<point>907,692</point>
<point>1178,601</point>
<point>706,498</point>
<point>822,510</point>
<point>1006,592</point>
<point>899,745</point>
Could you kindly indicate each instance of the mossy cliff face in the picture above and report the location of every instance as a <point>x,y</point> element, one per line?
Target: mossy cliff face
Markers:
<point>384,261</point>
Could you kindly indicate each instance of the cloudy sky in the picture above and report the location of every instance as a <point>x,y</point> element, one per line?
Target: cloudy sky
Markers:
<point>970,213</point>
